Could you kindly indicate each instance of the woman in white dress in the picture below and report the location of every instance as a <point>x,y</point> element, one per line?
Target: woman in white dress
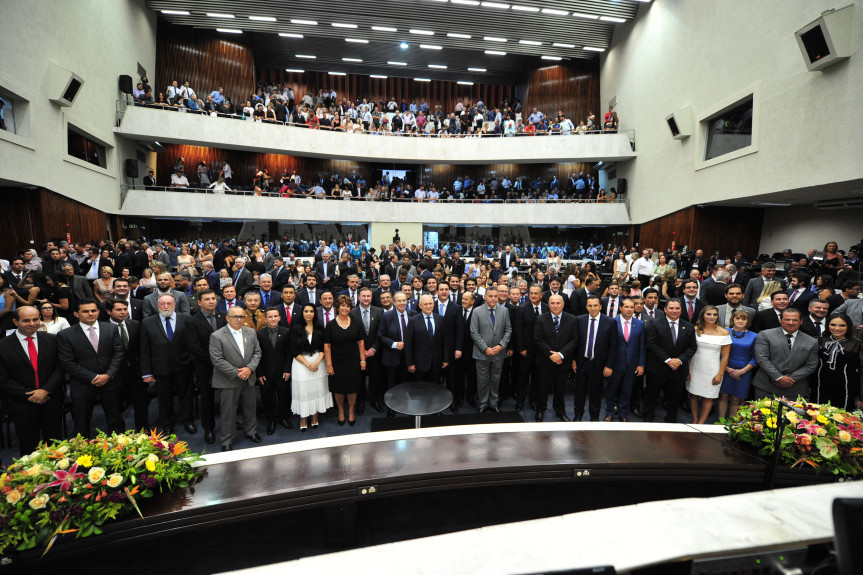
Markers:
<point>51,322</point>
<point>310,392</point>
<point>707,366</point>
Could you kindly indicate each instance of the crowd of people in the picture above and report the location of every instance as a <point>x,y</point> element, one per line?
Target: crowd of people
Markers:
<point>325,110</point>
<point>119,322</point>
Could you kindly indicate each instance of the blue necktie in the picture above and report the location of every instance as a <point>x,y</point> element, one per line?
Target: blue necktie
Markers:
<point>590,339</point>
<point>492,318</point>
<point>237,277</point>
<point>266,298</point>
<point>556,325</point>
<point>429,326</point>
<point>168,330</point>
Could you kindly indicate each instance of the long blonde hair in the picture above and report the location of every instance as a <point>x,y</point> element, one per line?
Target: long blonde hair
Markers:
<point>770,288</point>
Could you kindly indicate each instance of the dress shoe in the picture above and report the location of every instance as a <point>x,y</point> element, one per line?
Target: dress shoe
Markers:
<point>453,408</point>
<point>286,423</point>
<point>352,422</point>
<point>191,428</point>
<point>227,447</point>
<point>271,427</point>
<point>341,422</point>
<point>209,436</point>
<point>562,416</point>
<point>379,407</point>
<point>533,405</point>
<point>608,418</point>
<point>482,410</point>
<point>616,405</point>
<point>361,407</point>
<point>494,408</point>
<point>594,418</point>
<point>519,405</point>
<point>255,438</point>
<point>391,413</point>
<point>636,411</point>
<point>471,402</point>
<point>624,420</point>
<point>540,415</point>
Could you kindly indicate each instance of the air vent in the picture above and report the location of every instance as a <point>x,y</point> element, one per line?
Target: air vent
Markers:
<point>850,203</point>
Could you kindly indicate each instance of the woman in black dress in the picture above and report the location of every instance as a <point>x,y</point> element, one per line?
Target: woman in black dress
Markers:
<point>345,354</point>
<point>62,297</point>
<point>839,377</point>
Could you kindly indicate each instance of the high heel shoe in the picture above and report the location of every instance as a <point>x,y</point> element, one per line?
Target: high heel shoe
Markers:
<point>314,426</point>
<point>352,422</point>
<point>341,422</point>
<point>303,428</point>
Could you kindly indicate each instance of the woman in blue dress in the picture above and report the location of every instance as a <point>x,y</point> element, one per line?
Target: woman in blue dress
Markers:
<point>741,362</point>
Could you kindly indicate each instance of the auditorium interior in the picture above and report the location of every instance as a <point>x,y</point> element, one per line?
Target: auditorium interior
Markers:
<point>729,134</point>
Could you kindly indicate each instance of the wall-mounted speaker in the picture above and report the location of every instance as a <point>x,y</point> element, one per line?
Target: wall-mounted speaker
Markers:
<point>826,40</point>
<point>125,84</point>
<point>64,84</point>
<point>132,168</point>
<point>680,123</point>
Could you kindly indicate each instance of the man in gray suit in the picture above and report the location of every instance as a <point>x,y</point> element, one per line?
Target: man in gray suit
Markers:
<point>235,353</point>
<point>490,330</point>
<point>734,297</point>
<point>163,286</point>
<point>786,358</point>
<point>755,285</point>
<point>853,308</point>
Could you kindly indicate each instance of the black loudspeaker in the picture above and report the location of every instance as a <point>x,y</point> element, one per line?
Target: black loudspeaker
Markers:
<point>621,187</point>
<point>132,168</point>
<point>126,84</point>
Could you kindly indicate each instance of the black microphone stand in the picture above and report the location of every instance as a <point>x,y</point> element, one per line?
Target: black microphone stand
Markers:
<point>777,443</point>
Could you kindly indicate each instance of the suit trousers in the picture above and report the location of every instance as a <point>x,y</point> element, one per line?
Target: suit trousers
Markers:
<point>175,383</point>
<point>208,400</point>
<point>671,383</point>
<point>464,384</point>
<point>527,373</point>
<point>373,372</point>
<point>135,392</point>
<point>84,400</point>
<point>504,389</point>
<point>488,380</point>
<point>432,375</point>
<point>619,390</point>
<point>637,389</point>
<point>396,374</point>
<point>588,383</point>
<point>550,379</point>
<point>35,423</point>
<point>276,397</point>
<point>230,400</point>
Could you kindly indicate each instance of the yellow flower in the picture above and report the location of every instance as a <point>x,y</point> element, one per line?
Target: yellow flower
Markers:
<point>771,422</point>
<point>768,402</point>
<point>821,432</point>
<point>812,412</point>
<point>85,461</point>
<point>821,419</point>
<point>122,440</point>
<point>764,411</point>
<point>96,474</point>
<point>63,463</point>
<point>13,497</point>
<point>791,416</point>
<point>151,466</point>
<point>39,502</point>
<point>115,480</point>
<point>844,436</point>
<point>838,417</point>
<point>35,470</point>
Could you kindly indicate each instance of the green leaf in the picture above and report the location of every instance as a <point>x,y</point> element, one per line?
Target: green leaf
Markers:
<point>147,493</point>
<point>183,484</point>
<point>97,531</point>
<point>87,531</point>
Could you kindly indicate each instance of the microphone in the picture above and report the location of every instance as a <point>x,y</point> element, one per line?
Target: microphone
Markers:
<point>790,406</point>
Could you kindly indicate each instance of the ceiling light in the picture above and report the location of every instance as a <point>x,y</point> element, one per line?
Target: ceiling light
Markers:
<point>495,53</point>
<point>495,5</point>
<point>295,70</point>
<point>585,16</point>
<point>421,32</point>
<point>559,45</point>
<point>438,66</point>
<point>352,59</point>
<point>340,25</point>
<point>464,83</point>
<point>336,73</point>
<point>307,22</point>
<point>592,49</point>
<point>466,2</point>
<point>493,39</point>
<point>356,40</point>
<point>397,63</point>
<point>431,47</point>
<point>290,35</point>
<point>229,30</point>
<point>555,12</point>
<point>175,12</point>
<point>218,15</point>
<point>378,76</point>
<point>776,204</point>
<point>477,69</point>
<point>422,80</point>
<point>611,19</point>
<point>530,42</point>
<point>384,29</point>
<point>556,58</point>
<point>306,56</point>
<point>404,46</point>
<point>525,8</point>
<point>262,18</point>
<point>457,35</point>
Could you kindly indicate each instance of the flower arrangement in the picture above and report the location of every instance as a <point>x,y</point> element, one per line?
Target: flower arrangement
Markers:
<point>826,438</point>
<point>75,486</point>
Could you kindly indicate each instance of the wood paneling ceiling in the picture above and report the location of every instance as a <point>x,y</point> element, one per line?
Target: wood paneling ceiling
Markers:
<point>394,31</point>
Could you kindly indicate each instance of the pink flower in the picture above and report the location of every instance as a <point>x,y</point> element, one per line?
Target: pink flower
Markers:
<point>64,479</point>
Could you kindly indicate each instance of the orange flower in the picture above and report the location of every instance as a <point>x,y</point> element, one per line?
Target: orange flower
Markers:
<point>180,447</point>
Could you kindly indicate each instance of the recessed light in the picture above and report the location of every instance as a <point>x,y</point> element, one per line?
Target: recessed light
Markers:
<point>307,56</point>
<point>290,35</point>
<point>378,76</point>
<point>476,69</point>
<point>612,19</point>
<point>384,29</point>
<point>356,40</point>
<point>306,22</point>
<point>493,39</point>
<point>340,25</point>
<point>559,45</point>
<point>592,49</point>
<point>431,47</point>
<point>262,18</point>
<point>352,59</point>
<point>530,42</point>
<point>229,30</point>
<point>421,32</point>
<point>336,73</point>
<point>466,2</point>
<point>457,35</point>
<point>556,58</point>
<point>175,12</point>
<point>554,12</point>
<point>585,16</point>
<point>500,5</point>
<point>525,8</point>
<point>397,63</point>
<point>218,15</point>
<point>404,46</point>
<point>438,66</point>
<point>465,83</point>
<point>422,80</point>
<point>295,70</point>
<point>495,53</point>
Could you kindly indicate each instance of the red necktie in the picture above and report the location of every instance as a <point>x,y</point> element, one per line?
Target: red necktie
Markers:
<point>651,313</point>
<point>230,305</point>
<point>34,358</point>
<point>691,309</point>
<point>611,309</point>
<point>794,295</point>
<point>288,313</point>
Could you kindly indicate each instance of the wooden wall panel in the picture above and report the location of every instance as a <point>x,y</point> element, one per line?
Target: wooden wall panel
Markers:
<point>61,215</point>
<point>710,228</point>
<point>571,87</point>
<point>206,59</point>
<point>21,221</point>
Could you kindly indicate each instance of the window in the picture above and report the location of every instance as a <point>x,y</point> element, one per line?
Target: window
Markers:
<point>730,129</point>
<point>7,114</point>
<point>84,148</point>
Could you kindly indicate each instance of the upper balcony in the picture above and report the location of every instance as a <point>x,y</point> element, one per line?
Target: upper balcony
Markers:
<point>170,126</point>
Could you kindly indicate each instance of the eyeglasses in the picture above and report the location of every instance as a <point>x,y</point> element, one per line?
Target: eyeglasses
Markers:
<point>236,317</point>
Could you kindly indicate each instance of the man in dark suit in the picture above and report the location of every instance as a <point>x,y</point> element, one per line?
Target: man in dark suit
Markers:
<point>166,361</point>
<point>280,274</point>
<point>756,285</point>
<point>554,289</point>
<point>220,254</point>
<point>269,297</point>
<point>122,292</point>
<point>815,321</point>
<point>326,270</point>
<point>736,275</point>
<point>369,317</point>
<point>229,300</point>
<point>464,385</point>
<point>130,373</point>
<point>150,180</point>
<point>670,344</point>
<point>92,354</point>
<point>594,358</point>
<point>611,303</point>
<point>385,284</point>
<point>457,265</point>
<point>525,346</point>
<point>33,397</point>
<point>426,344</point>
<point>651,305</point>
<point>692,306</point>
<point>449,311</point>
<point>556,339</point>
<point>198,331</point>
<point>578,300</point>
<point>140,260</point>
<point>769,318</point>
<point>326,312</point>
<point>391,335</point>
<point>274,371</point>
<point>352,290</point>
<point>16,272</point>
<point>799,294</point>
<point>90,267</point>
<point>311,293</point>
<point>289,310</point>
<point>714,293</point>
<point>506,257</point>
<point>242,277</point>
<point>629,363</point>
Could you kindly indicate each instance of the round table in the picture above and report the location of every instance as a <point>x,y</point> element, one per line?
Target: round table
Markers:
<point>418,398</point>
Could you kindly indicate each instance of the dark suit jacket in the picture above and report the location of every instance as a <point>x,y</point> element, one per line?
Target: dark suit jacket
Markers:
<point>802,301</point>
<point>319,269</point>
<point>660,346</point>
<point>140,293</point>
<point>605,340</point>
<point>303,296</point>
<point>458,267</point>
<point>159,356</point>
<point>281,277</point>
<point>389,333</point>
<point>243,283</point>
<point>83,363</point>
<point>421,349</point>
<point>222,306</point>
<point>765,319</point>
<point>370,339</point>
<point>605,301</point>
<point>17,376</point>
<point>274,298</point>
<point>462,326</point>
<point>453,310</point>
<point>713,294</point>
<point>566,341</point>
<point>85,266</point>
<point>376,294</point>
<point>578,302</point>
<point>699,305</point>
<point>296,315</point>
<point>319,314</point>
<point>135,310</point>
<point>547,295</point>
<point>808,326</point>
<point>630,354</point>
<point>132,359</point>
<point>523,328</point>
<point>275,361</point>
<point>198,332</point>
<point>506,259</point>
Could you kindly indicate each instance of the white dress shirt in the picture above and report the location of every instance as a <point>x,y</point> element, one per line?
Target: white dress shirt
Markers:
<point>25,344</point>
<point>238,337</point>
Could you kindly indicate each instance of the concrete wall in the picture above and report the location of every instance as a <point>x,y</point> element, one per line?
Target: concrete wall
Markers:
<point>381,233</point>
<point>803,228</point>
